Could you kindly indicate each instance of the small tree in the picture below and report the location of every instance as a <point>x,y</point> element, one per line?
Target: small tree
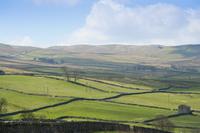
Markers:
<point>164,124</point>
<point>76,76</point>
<point>3,105</point>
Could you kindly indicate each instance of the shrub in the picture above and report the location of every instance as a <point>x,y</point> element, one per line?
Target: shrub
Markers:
<point>3,105</point>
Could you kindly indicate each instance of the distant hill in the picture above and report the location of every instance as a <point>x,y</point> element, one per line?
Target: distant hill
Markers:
<point>185,57</point>
<point>12,51</point>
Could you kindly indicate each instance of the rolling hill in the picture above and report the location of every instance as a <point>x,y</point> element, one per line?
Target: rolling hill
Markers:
<point>129,60</point>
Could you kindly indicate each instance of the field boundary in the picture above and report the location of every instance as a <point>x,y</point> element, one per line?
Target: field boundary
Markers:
<point>112,84</point>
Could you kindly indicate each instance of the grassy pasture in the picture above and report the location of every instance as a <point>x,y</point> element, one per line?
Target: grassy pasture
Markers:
<point>103,110</point>
<point>187,121</point>
<point>17,101</point>
<point>106,87</point>
<point>190,89</point>
<point>41,85</point>
<point>163,100</point>
<point>93,109</point>
<point>112,86</point>
<point>129,84</point>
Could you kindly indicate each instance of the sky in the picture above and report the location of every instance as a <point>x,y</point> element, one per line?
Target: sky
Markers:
<point>44,23</point>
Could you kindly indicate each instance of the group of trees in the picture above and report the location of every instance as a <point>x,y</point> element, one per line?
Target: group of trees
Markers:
<point>70,75</point>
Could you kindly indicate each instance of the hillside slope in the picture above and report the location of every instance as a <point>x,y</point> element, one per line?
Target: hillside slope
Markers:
<point>107,58</point>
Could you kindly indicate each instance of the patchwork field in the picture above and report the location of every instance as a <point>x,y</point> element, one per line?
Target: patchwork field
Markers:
<point>94,100</point>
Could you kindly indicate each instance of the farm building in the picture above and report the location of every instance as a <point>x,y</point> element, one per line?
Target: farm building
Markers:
<point>184,109</point>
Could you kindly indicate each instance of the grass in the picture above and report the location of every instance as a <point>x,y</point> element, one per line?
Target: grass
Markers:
<point>93,109</point>
<point>129,85</point>
<point>41,85</point>
<point>163,100</point>
<point>17,101</point>
<point>186,124</point>
<point>106,87</point>
<point>190,89</point>
<point>187,121</point>
<point>109,87</point>
<point>103,110</point>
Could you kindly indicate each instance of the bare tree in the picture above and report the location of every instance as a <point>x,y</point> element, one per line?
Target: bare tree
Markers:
<point>76,76</point>
<point>66,73</point>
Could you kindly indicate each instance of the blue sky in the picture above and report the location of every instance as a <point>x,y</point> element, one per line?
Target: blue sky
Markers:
<point>45,23</point>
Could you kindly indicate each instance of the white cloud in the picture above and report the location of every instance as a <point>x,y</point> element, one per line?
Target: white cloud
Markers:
<point>112,22</point>
<point>22,41</point>
<point>57,2</point>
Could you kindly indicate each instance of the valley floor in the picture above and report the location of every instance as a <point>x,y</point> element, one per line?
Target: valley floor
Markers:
<point>87,99</point>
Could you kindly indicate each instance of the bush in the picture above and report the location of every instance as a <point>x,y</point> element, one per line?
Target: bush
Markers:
<point>3,105</point>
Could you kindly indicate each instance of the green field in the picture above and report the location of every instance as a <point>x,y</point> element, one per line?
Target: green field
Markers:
<point>103,110</point>
<point>30,92</point>
<point>166,100</point>
<point>187,121</point>
<point>40,85</point>
<point>109,88</point>
<point>17,101</point>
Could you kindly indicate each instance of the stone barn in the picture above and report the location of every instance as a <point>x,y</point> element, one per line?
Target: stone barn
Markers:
<point>184,109</point>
